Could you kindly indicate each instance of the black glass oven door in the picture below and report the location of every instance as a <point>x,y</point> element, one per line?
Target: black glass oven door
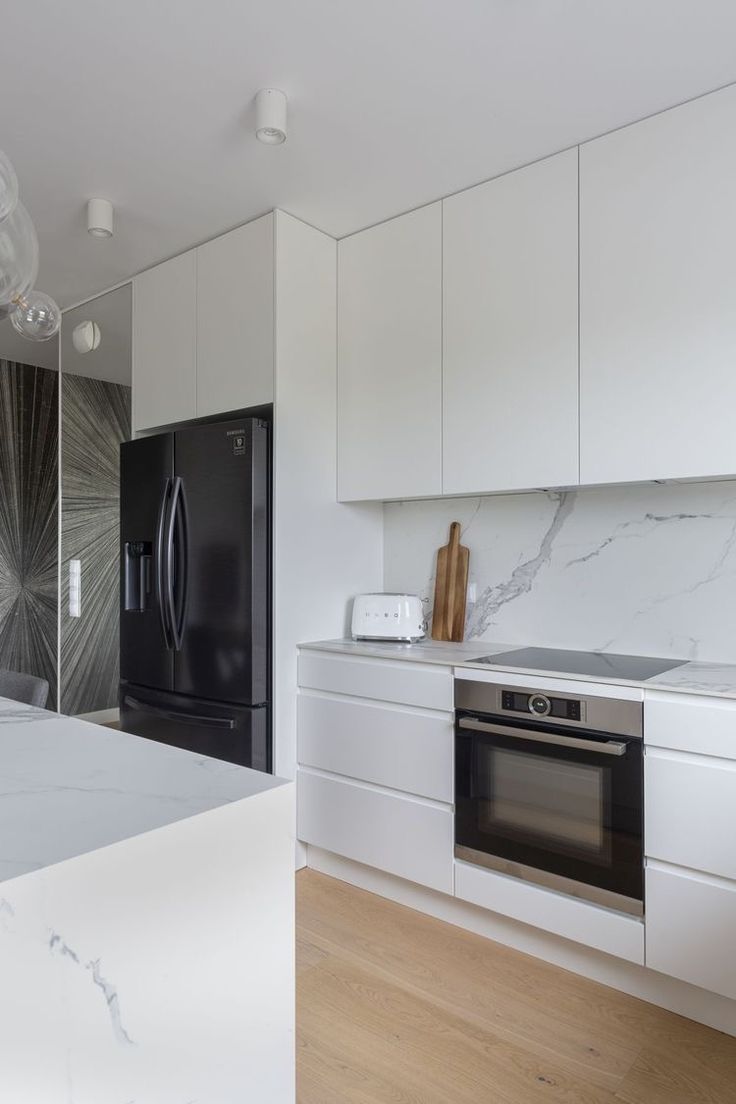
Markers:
<point>543,798</point>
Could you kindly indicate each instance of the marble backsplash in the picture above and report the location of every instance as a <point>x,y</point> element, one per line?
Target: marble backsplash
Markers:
<point>647,570</point>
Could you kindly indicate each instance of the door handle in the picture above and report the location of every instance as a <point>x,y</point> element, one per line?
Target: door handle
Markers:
<point>176,623</point>
<point>601,747</point>
<point>160,567</point>
<point>177,557</point>
<point>180,718</point>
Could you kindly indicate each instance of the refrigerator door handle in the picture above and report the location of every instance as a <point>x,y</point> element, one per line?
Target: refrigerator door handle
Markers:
<point>180,718</point>
<point>161,566</point>
<point>176,563</point>
<point>181,558</point>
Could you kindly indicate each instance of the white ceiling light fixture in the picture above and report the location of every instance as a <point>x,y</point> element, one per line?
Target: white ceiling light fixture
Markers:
<point>271,106</point>
<point>100,218</point>
<point>86,337</point>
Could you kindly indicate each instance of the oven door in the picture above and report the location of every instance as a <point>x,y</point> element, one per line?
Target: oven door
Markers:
<point>559,809</point>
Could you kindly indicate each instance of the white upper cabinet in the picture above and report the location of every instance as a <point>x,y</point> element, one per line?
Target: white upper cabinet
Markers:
<point>389,390</point>
<point>511,331</point>
<point>658,288</point>
<point>164,328</point>
<point>235,319</point>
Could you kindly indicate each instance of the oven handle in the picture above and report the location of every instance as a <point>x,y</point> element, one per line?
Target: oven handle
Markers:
<point>610,747</point>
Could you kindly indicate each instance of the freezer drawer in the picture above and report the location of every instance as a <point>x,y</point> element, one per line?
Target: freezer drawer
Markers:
<point>237,734</point>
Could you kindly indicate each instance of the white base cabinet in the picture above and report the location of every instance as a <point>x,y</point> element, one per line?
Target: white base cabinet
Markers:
<point>392,832</point>
<point>691,928</point>
<point>612,932</point>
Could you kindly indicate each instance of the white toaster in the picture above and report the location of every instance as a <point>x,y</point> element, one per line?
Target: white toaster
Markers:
<point>388,617</point>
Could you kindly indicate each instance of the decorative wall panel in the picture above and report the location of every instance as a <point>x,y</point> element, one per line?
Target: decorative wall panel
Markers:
<point>95,418</point>
<point>29,520</point>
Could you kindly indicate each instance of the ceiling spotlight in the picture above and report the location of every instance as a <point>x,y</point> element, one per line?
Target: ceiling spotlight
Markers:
<point>271,116</point>
<point>86,337</point>
<point>99,218</point>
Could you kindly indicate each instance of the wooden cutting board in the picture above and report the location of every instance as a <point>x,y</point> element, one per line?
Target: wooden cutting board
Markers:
<point>450,588</point>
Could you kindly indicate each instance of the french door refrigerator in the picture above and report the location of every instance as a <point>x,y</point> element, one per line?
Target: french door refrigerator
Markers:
<point>195,590</point>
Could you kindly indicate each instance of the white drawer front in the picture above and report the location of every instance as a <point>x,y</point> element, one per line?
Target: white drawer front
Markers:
<point>622,936</point>
<point>690,811</point>
<point>407,683</point>
<point>401,835</point>
<point>691,929</point>
<point>399,747</point>
<point>681,722</point>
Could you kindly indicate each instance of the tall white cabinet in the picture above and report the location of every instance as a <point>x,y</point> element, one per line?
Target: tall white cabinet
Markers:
<point>164,343</point>
<point>390,358</point>
<point>510,365</point>
<point>235,275</point>
<point>658,287</point>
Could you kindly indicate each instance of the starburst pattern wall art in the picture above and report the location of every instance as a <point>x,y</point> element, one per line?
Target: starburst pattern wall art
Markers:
<point>29,520</point>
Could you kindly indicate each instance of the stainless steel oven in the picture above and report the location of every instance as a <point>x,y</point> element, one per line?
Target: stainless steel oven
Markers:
<point>548,788</point>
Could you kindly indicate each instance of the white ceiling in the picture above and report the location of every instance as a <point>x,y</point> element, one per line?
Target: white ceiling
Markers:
<point>393,103</point>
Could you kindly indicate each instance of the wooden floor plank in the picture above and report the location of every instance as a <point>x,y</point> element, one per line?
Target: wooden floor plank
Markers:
<point>395,1007</point>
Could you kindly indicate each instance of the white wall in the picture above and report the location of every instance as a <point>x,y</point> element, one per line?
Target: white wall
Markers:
<point>638,569</point>
<point>325,552</point>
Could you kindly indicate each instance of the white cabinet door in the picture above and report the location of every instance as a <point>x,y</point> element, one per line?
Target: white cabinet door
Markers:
<point>235,319</point>
<point>426,685</point>
<point>511,331</point>
<point>164,343</point>
<point>389,393</point>
<point>405,749</point>
<point>691,928</point>
<point>657,293</point>
<point>690,811</point>
<point>402,835</point>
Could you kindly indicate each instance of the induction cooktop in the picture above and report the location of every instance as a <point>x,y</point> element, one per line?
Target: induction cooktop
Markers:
<point>591,664</point>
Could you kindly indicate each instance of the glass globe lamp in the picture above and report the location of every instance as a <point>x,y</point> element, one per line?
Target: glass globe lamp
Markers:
<point>8,187</point>
<point>37,316</point>
<point>18,255</point>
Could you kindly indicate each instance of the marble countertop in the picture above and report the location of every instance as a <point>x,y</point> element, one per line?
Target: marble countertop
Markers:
<point>68,787</point>
<point>710,679</point>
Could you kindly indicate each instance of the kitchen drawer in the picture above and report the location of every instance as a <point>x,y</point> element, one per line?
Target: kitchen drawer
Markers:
<point>691,928</point>
<point>685,722</point>
<point>580,921</point>
<point>402,835</point>
<point>690,811</point>
<point>407,682</point>
<point>399,747</point>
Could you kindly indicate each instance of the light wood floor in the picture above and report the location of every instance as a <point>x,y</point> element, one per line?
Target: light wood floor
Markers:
<point>399,1008</point>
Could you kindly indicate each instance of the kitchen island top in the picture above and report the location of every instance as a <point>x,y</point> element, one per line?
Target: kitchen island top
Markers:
<point>69,787</point>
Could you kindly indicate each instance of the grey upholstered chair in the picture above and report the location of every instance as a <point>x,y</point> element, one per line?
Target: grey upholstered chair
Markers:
<point>23,688</point>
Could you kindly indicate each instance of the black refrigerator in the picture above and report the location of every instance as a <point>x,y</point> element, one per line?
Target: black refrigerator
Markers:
<point>195,596</point>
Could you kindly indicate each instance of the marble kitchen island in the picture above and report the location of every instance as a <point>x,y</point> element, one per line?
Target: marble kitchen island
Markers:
<point>146,921</point>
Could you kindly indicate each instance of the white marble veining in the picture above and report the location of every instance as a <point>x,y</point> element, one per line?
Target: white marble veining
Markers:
<point>643,570</point>
<point>68,787</point>
<point>158,971</point>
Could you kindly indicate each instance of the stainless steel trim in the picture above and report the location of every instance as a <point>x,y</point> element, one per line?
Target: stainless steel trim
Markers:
<point>607,747</point>
<point>610,715</point>
<point>605,897</point>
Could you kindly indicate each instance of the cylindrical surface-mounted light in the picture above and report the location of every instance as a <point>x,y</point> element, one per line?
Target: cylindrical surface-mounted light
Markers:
<point>271,116</point>
<point>100,218</point>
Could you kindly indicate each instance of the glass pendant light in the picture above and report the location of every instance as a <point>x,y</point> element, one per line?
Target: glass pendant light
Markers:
<point>18,255</point>
<point>8,187</point>
<point>37,316</point>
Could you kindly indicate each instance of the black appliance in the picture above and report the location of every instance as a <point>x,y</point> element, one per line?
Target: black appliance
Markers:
<point>602,665</point>
<point>195,612</point>
<point>548,788</point>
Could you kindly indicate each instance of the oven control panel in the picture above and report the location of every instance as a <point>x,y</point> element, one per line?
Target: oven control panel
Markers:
<point>541,705</point>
